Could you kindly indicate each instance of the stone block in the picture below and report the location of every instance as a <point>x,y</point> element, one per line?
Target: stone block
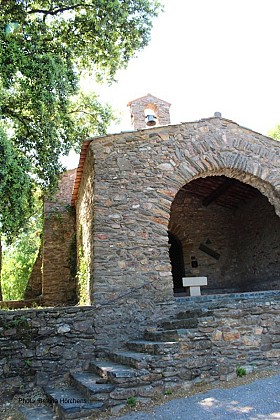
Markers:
<point>273,354</point>
<point>123,393</point>
<point>231,335</point>
<point>229,377</point>
<point>117,409</point>
<point>217,335</point>
<point>251,341</point>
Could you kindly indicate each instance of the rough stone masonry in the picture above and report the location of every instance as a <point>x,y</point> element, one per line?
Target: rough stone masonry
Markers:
<point>132,193</point>
<point>124,211</point>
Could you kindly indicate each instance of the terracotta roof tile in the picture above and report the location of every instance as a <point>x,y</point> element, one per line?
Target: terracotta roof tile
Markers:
<point>79,172</point>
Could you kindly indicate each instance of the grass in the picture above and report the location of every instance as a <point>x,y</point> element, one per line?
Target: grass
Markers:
<point>131,402</point>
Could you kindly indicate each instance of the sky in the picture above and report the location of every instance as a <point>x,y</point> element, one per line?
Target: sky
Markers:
<point>207,56</point>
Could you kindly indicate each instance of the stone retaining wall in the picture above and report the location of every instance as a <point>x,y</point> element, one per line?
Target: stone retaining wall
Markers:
<point>37,346</point>
<point>244,334</point>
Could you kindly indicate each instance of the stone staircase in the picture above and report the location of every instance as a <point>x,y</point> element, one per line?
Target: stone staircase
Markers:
<point>170,356</point>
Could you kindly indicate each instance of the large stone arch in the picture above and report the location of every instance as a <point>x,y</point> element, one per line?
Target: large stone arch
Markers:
<point>239,275</point>
<point>269,190</point>
<point>240,157</point>
<point>236,153</point>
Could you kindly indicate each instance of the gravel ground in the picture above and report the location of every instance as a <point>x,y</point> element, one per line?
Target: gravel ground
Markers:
<point>257,400</point>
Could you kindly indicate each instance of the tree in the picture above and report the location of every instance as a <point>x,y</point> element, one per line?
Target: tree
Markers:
<point>19,257</point>
<point>16,192</point>
<point>45,46</point>
<point>16,189</point>
<point>275,133</point>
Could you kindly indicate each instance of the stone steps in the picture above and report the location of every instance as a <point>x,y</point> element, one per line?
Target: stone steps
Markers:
<point>89,384</point>
<point>183,323</point>
<point>134,359</point>
<point>68,403</point>
<point>170,335</point>
<point>152,347</point>
<point>120,374</point>
<point>192,313</point>
<point>37,413</point>
<point>144,369</point>
<point>167,358</point>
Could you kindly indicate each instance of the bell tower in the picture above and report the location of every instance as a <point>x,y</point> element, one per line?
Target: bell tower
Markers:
<point>149,111</point>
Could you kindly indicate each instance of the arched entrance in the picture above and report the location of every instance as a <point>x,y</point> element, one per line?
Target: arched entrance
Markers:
<point>229,232</point>
<point>177,263</point>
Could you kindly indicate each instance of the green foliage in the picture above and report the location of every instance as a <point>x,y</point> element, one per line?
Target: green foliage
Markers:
<point>44,48</point>
<point>19,257</point>
<point>20,322</point>
<point>89,117</point>
<point>16,189</point>
<point>131,402</point>
<point>275,133</point>
<point>168,391</point>
<point>240,371</point>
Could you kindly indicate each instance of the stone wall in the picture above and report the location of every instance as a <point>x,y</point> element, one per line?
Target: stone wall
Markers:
<point>232,333</point>
<point>53,275</point>
<point>58,281</point>
<point>39,344</point>
<point>242,334</point>
<point>258,233</point>
<point>34,285</point>
<point>136,178</point>
<point>84,229</point>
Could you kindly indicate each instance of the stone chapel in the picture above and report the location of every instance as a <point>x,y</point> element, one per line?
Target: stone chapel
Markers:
<point>152,206</point>
<point>159,269</point>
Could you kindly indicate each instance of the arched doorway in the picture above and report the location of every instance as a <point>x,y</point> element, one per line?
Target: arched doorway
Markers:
<point>233,233</point>
<point>177,263</point>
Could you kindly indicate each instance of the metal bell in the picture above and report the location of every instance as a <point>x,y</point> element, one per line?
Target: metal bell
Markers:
<point>151,120</point>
